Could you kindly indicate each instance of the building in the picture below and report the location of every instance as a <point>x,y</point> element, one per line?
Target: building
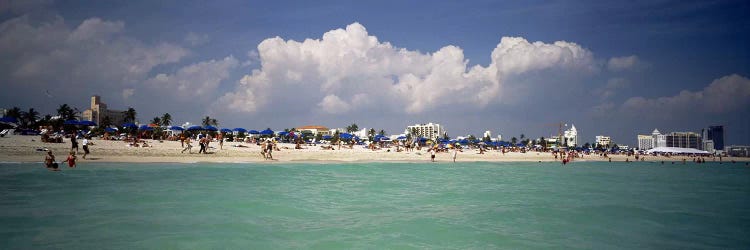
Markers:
<point>571,136</point>
<point>659,139</point>
<point>487,134</point>
<point>713,138</point>
<point>684,140</point>
<point>429,130</point>
<point>737,151</point>
<point>99,113</point>
<point>604,141</point>
<point>314,129</point>
<point>645,142</point>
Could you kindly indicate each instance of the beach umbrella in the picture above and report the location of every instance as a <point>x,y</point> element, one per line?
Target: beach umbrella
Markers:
<point>129,125</point>
<point>327,137</point>
<point>345,136</point>
<point>145,128</point>
<point>8,119</point>
<point>401,138</point>
<point>241,130</point>
<point>226,130</point>
<point>110,130</point>
<point>211,128</point>
<point>176,128</point>
<point>253,132</point>
<point>70,122</point>
<point>266,132</point>
<point>194,128</point>
<point>283,133</point>
<point>87,123</point>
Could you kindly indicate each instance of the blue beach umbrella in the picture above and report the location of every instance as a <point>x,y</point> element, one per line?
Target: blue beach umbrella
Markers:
<point>266,132</point>
<point>194,128</point>
<point>9,119</point>
<point>327,137</point>
<point>241,130</point>
<point>253,132</point>
<point>129,125</point>
<point>87,123</point>
<point>226,130</point>
<point>176,128</point>
<point>283,133</point>
<point>70,122</point>
<point>110,130</point>
<point>145,128</point>
<point>345,136</point>
<point>211,128</point>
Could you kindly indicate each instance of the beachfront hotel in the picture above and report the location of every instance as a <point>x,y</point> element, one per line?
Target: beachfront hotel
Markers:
<point>98,112</point>
<point>571,136</point>
<point>604,141</point>
<point>645,142</point>
<point>430,130</point>
<point>315,129</point>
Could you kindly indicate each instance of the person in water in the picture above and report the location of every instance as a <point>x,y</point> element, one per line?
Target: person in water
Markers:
<point>71,160</point>
<point>49,162</point>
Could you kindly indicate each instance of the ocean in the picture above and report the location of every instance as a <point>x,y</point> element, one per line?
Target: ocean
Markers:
<point>583,205</point>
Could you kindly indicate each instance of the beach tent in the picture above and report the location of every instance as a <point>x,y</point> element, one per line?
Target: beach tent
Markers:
<point>178,128</point>
<point>194,128</point>
<point>674,150</point>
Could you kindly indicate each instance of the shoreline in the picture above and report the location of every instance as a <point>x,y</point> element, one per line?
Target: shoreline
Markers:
<point>29,149</point>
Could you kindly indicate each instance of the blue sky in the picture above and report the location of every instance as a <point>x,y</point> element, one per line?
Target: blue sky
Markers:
<point>609,67</point>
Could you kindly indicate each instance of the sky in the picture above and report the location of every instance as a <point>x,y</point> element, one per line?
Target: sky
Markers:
<point>616,68</point>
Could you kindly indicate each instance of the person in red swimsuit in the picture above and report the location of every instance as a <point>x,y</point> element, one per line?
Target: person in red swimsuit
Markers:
<point>71,159</point>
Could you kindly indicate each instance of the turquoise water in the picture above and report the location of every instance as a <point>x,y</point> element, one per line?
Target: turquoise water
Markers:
<point>376,206</point>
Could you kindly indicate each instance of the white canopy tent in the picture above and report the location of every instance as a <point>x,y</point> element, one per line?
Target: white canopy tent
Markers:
<point>674,150</point>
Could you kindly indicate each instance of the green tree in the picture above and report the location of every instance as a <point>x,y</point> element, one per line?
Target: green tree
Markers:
<point>513,140</point>
<point>587,145</point>
<point>130,114</point>
<point>28,119</point>
<point>522,136</point>
<point>445,136</point>
<point>210,121</point>
<point>543,142</point>
<point>371,134</point>
<point>14,112</point>
<point>66,112</point>
<point>352,128</point>
<point>156,120</point>
<point>382,132</point>
<point>472,138</point>
<point>166,119</point>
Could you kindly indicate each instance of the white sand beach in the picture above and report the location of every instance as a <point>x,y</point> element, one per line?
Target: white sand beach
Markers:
<point>30,149</point>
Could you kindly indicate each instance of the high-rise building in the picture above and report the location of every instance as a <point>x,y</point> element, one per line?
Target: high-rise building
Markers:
<point>713,135</point>
<point>645,142</point>
<point>99,113</point>
<point>571,136</point>
<point>429,130</point>
<point>684,140</point>
<point>659,139</point>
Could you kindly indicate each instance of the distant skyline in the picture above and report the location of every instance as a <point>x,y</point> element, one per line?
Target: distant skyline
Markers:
<point>610,67</point>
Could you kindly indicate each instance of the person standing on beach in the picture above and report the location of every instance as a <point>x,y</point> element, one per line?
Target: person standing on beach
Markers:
<point>85,147</point>
<point>202,143</point>
<point>269,149</point>
<point>74,141</point>
<point>188,147</point>
<point>455,153</point>
<point>432,154</point>
<point>182,139</point>
<point>221,140</point>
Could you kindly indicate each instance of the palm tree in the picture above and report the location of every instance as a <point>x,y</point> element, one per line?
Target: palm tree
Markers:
<point>209,121</point>
<point>130,115</point>
<point>166,119</point>
<point>14,112</point>
<point>352,128</point>
<point>522,136</point>
<point>29,118</point>
<point>66,112</point>
<point>106,121</point>
<point>543,142</point>
<point>513,140</point>
<point>371,133</point>
<point>382,132</point>
<point>156,120</point>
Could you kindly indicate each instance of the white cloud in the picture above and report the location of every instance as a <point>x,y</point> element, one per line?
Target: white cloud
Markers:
<point>623,63</point>
<point>611,88</point>
<point>723,95</point>
<point>127,93</point>
<point>195,39</point>
<point>351,63</point>
<point>195,80</point>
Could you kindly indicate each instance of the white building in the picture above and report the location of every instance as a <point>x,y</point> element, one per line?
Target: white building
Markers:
<point>645,142</point>
<point>429,130</point>
<point>659,139</point>
<point>603,140</point>
<point>487,134</point>
<point>571,136</point>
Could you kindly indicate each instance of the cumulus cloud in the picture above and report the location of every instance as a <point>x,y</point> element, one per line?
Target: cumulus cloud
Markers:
<point>723,95</point>
<point>127,93</point>
<point>348,69</point>
<point>623,63</point>
<point>195,80</point>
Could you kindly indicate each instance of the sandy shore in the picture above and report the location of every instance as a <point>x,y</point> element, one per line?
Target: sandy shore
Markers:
<point>30,149</point>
